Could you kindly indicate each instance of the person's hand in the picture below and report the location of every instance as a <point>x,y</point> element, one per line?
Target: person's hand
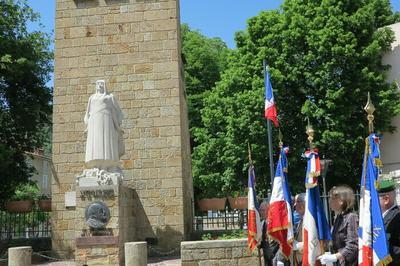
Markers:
<point>328,258</point>
<point>297,245</point>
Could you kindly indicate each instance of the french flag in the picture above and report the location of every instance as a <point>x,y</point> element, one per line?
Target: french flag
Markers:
<point>372,243</point>
<point>270,107</point>
<point>315,225</point>
<point>313,168</point>
<point>254,226</point>
<point>280,223</point>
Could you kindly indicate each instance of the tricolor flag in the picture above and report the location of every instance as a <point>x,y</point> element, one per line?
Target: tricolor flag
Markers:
<point>254,226</point>
<point>270,107</point>
<point>315,225</point>
<point>313,168</point>
<point>280,224</point>
<point>372,244</point>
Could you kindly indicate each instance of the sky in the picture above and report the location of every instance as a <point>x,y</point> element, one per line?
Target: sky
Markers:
<point>213,18</point>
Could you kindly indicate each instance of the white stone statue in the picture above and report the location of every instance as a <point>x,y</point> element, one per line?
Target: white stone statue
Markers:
<point>103,118</point>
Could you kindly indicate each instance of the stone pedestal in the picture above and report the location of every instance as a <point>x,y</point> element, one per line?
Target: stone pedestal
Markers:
<point>20,256</point>
<point>136,254</point>
<point>104,246</point>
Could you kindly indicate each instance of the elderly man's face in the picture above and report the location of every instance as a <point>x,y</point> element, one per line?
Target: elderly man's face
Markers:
<point>299,206</point>
<point>387,200</point>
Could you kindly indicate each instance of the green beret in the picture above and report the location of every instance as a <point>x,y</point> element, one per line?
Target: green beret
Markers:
<point>385,185</point>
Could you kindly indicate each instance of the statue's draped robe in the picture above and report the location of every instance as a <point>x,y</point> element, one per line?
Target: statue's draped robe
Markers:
<point>104,144</point>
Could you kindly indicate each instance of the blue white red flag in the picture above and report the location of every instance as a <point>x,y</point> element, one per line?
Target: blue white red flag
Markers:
<point>315,226</point>
<point>280,221</point>
<point>270,107</point>
<point>254,226</point>
<point>313,168</point>
<point>372,243</point>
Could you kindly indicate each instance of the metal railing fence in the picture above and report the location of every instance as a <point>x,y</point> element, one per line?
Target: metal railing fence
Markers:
<point>232,219</point>
<point>227,219</point>
<point>34,224</point>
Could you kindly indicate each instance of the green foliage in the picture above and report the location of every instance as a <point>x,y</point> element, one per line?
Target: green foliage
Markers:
<point>323,56</point>
<point>26,191</point>
<point>241,193</point>
<point>44,197</point>
<point>235,234</point>
<point>25,100</point>
<point>204,60</point>
<point>206,236</point>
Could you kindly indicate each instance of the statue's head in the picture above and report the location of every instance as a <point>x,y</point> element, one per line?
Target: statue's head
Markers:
<point>101,86</point>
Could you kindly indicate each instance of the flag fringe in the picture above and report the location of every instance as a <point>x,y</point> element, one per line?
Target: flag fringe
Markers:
<point>385,261</point>
<point>314,174</point>
<point>275,229</point>
<point>311,185</point>
<point>253,243</point>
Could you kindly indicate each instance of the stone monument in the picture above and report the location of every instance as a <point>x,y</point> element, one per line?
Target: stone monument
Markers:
<point>104,205</point>
<point>134,45</point>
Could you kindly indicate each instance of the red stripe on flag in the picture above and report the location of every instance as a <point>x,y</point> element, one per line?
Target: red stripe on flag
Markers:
<point>252,229</point>
<point>278,223</point>
<point>305,248</point>
<point>281,236</point>
<point>367,256</point>
<point>306,261</point>
<point>271,114</point>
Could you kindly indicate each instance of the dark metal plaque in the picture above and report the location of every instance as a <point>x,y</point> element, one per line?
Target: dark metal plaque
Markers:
<point>97,215</point>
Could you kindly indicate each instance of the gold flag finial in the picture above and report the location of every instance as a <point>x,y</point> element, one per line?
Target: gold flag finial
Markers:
<point>280,136</point>
<point>370,109</point>
<point>249,150</point>
<point>310,133</point>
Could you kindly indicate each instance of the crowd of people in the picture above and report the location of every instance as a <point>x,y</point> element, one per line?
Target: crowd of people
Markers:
<point>343,248</point>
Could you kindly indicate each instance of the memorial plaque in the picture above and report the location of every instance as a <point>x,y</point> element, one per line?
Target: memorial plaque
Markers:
<point>97,215</point>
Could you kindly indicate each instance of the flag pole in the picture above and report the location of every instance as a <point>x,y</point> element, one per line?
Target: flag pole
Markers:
<point>310,132</point>
<point>249,153</point>
<point>269,129</point>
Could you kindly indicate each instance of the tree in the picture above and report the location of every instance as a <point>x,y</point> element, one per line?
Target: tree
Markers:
<point>25,100</point>
<point>323,56</point>
<point>204,61</point>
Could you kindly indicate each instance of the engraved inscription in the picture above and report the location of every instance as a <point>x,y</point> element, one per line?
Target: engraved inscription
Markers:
<point>98,193</point>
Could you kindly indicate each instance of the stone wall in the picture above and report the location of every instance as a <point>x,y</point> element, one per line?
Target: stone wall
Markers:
<point>134,45</point>
<point>104,247</point>
<point>218,253</point>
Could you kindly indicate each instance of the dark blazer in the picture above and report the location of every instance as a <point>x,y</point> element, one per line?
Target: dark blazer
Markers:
<point>392,227</point>
<point>270,248</point>
<point>345,238</point>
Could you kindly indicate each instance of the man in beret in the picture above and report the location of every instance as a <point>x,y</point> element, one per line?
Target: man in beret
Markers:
<point>391,217</point>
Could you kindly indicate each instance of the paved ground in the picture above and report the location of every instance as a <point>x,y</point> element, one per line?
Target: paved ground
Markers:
<point>152,262</point>
<point>164,262</point>
<point>58,263</point>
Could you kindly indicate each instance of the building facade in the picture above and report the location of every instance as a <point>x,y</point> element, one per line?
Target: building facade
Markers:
<point>390,147</point>
<point>43,171</point>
